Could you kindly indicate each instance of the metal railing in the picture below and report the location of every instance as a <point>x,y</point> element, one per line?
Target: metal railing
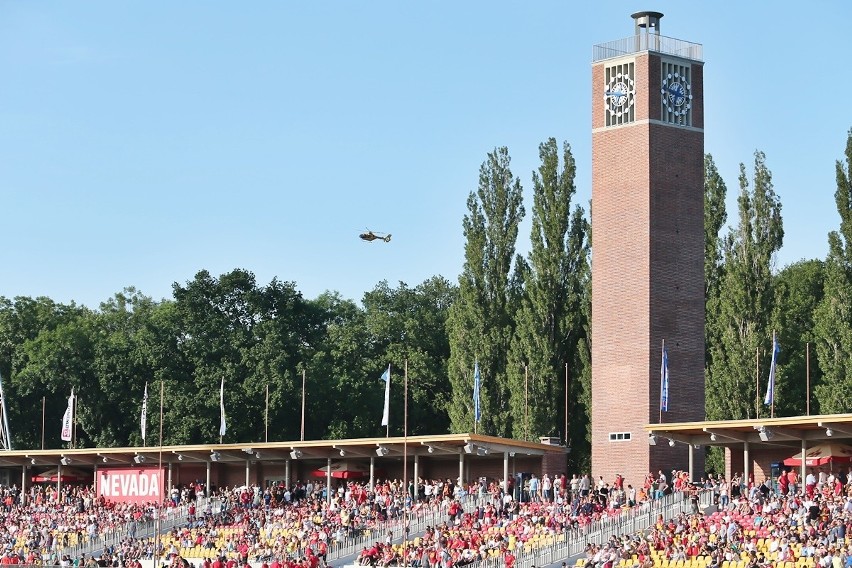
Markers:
<point>425,516</point>
<point>173,517</point>
<point>648,42</point>
<point>429,515</point>
<point>574,542</point>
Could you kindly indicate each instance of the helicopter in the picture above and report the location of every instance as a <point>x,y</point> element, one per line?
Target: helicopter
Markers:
<point>370,236</point>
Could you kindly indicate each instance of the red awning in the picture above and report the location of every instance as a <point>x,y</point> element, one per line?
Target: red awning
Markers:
<point>68,476</point>
<point>822,454</point>
<point>347,470</point>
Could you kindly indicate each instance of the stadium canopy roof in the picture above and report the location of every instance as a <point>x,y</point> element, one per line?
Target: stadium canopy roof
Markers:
<point>444,446</point>
<point>758,432</point>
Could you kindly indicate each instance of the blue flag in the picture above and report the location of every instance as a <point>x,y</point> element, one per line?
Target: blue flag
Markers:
<point>664,382</point>
<point>770,388</point>
<point>477,413</point>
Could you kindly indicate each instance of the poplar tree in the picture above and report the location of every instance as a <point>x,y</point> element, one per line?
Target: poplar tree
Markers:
<point>834,315</point>
<point>715,216</point>
<point>481,321</point>
<point>550,320</point>
<point>744,309</point>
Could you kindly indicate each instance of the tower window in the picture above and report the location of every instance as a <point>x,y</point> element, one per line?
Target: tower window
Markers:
<point>619,436</point>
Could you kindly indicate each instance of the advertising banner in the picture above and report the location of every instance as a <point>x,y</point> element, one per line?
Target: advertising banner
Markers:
<point>142,485</point>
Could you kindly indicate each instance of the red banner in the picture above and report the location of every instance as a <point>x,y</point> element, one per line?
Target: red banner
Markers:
<point>131,485</point>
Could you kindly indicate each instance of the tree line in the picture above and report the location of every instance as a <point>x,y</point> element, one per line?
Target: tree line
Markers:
<point>525,319</point>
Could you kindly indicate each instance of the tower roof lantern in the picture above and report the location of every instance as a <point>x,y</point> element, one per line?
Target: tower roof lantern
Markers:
<point>649,22</point>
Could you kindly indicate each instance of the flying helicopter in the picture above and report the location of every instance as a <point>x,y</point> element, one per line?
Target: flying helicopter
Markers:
<point>370,236</point>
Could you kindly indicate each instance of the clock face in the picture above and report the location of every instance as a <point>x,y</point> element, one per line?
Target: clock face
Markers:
<point>677,97</point>
<point>619,94</point>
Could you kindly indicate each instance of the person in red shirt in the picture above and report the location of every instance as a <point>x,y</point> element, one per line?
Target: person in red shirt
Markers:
<point>508,558</point>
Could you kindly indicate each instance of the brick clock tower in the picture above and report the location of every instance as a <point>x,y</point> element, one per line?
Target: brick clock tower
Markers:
<point>648,249</point>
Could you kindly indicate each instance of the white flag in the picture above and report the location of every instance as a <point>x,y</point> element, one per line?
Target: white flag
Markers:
<point>68,419</point>
<point>143,420</point>
<point>386,414</point>
<point>222,426</point>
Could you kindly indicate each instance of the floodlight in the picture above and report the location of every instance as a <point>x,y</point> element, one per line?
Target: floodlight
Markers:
<point>829,432</point>
<point>65,461</point>
<point>430,449</point>
<point>652,440</point>
<point>382,451</point>
<point>296,454</point>
<point>215,456</point>
<point>671,443</point>
<point>343,453</point>
<point>139,459</point>
<point>468,448</point>
<point>766,434</point>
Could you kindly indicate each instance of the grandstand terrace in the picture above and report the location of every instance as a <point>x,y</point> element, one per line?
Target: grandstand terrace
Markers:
<point>452,456</point>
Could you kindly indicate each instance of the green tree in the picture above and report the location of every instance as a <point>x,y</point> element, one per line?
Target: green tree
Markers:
<point>252,337</point>
<point>798,292</point>
<point>411,326</point>
<point>346,400</point>
<point>746,299</point>
<point>22,320</point>
<point>481,321</point>
<point>549,323</point>
<point>834,315</point>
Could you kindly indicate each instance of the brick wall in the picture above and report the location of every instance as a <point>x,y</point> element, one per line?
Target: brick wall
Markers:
<point>647,276</point>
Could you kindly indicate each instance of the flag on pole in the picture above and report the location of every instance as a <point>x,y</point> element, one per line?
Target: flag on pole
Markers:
<point>386,413</point>
<point>222,426</point>
<point>770,388</point>
<point>68,419</point>
<point>477,414</point>
<point>143,419</point>
<point>664,381</point>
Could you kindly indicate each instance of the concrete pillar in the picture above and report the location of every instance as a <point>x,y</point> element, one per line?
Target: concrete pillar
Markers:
<point>746,465</point>
<point>691,463</point>
<point>416,477</point>
<point>372,473</point>
<point>248,472</point>
<point>505,472</point>
<point>328,482</point>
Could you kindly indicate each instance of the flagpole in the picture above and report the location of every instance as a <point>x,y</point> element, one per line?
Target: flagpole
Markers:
<point>43,418</point>
<point>808,378</point>
<point>405,467</point>
<point>74,421</point>
<point>757,382</point>
<point>772,402</point>
<point>387,426</point>
<point>565,432</point>
<point>302,430</point>
<point>475,394</point>
<point>662,386</point>
<point>526,402</point>
<point>266,417</point>
<point>160,472</point>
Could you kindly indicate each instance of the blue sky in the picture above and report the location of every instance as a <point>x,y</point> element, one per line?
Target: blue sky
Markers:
<point>144,141</point>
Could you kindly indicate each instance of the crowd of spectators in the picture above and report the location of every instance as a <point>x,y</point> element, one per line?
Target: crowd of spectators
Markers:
<point>775,523</point>
<point>756,525</point>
